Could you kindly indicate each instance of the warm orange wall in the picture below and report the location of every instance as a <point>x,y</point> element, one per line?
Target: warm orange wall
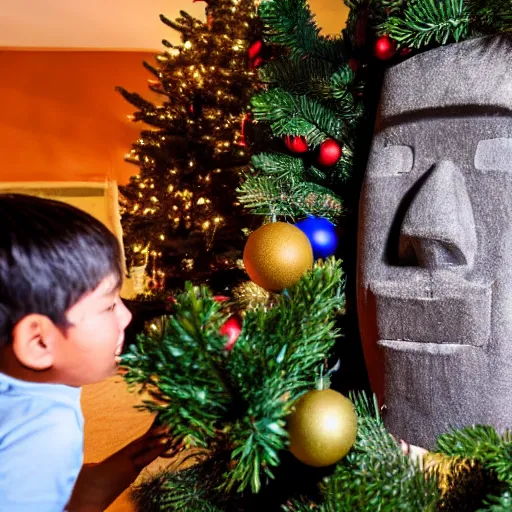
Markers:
<point>115,24</point>
<point>60,117</point>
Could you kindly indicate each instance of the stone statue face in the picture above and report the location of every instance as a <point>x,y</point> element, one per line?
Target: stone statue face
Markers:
<point>435,242</point>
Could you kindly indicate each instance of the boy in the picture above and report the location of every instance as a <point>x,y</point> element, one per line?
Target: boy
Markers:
<point>62,326</point>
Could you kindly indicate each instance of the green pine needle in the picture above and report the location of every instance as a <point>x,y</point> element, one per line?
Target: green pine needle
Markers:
<point>501,503</point>
<point>197,386</point>
<point>491,16</point>
<point>483,445</point>
<point>376,476</point>
<point>429,21</point>
<point>313,78</point>
<point>290,23</point>
<point>297,115</point>
<point>271,198</point>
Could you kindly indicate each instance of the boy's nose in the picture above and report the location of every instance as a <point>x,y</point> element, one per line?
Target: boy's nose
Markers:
<point>125,316</point>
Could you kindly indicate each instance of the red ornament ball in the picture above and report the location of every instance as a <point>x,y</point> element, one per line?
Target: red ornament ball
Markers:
<point>232,329</point>
<point>330,153</point>
<point>385,48</point>
<point>296,144</point>
<point>255,49</point>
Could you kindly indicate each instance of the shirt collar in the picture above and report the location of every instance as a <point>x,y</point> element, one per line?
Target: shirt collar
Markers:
<point>58,392</point>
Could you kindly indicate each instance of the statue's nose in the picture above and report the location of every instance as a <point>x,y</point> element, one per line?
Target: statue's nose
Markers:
<point>438,229</point>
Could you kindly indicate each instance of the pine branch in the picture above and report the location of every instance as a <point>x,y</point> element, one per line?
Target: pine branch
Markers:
<point>136,99</point>
<point>424,22</point>
<point>184,24</point>
<point>491,16</point>
<point>167,365</point>
<point>376,476</point>
<point>483,445</point>
<point>267,197</point>
<point>290,23</point>
<point>279,167</point>
<point>341,82</point>
<point>297,115</point>
<point>236,403</point>
<point>314,78</point>
<point>303,505</point>
<point>281,355</point>
<point>501,503</point>
<point>192,489</point>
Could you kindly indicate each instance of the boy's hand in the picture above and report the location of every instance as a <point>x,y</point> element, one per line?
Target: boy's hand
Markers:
<point>99,484</point>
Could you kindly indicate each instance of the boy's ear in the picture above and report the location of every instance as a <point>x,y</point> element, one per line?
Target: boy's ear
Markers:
<point>33,342</point>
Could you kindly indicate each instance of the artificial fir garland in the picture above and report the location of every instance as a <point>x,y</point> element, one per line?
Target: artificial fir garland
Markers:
<point>322,88</point>
<point>233,405</point>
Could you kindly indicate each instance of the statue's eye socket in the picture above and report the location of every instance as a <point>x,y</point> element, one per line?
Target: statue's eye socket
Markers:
<point>391,161</point>
<point>494,155</point>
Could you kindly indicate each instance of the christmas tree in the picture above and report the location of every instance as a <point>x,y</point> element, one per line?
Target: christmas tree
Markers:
<point>180,215</point>
<point>246,401</point>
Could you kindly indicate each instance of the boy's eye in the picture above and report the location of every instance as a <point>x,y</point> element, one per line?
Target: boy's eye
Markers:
<point>112,307</point>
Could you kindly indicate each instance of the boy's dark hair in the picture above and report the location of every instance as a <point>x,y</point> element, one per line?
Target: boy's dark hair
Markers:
<point>51,254</point>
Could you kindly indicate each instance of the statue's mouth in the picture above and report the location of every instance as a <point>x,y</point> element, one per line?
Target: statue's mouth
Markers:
<point>438,308</point>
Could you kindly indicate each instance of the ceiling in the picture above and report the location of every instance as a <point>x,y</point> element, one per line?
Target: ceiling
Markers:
<point>114,24</point>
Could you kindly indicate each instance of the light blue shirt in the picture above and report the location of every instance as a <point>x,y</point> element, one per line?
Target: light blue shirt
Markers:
<point>41,445</point>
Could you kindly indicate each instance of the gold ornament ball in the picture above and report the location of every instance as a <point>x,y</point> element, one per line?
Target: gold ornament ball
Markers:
<point>322,428</point>
<point>276,256</point>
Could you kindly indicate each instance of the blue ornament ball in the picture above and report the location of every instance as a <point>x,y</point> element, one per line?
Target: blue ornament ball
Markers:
<point>321,234</point>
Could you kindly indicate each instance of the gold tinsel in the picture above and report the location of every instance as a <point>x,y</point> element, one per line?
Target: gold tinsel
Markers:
<point>250,296</point>
<point>448,470</point>
<point>463,483</point>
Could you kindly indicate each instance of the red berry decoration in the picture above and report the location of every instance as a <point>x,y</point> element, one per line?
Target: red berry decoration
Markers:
<point>232,329</point>
<point>330,153</point>
<point>255,49</point>
<point>385,48</point>
<point>296,144</point>
<point>243,129</point>
<point>257,62</point>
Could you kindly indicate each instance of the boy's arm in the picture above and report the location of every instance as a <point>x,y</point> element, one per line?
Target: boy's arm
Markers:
<point>99,484</point>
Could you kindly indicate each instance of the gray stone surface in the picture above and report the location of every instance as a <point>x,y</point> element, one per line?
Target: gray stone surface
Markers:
<point>435,242</point>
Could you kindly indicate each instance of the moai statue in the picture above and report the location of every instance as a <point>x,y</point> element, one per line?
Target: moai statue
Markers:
<point>435,242</point>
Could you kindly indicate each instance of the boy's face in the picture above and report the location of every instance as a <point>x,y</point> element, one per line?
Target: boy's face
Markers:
<point>88,349</point>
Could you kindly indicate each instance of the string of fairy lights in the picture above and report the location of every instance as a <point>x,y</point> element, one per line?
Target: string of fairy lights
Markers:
<point>206,83</point>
